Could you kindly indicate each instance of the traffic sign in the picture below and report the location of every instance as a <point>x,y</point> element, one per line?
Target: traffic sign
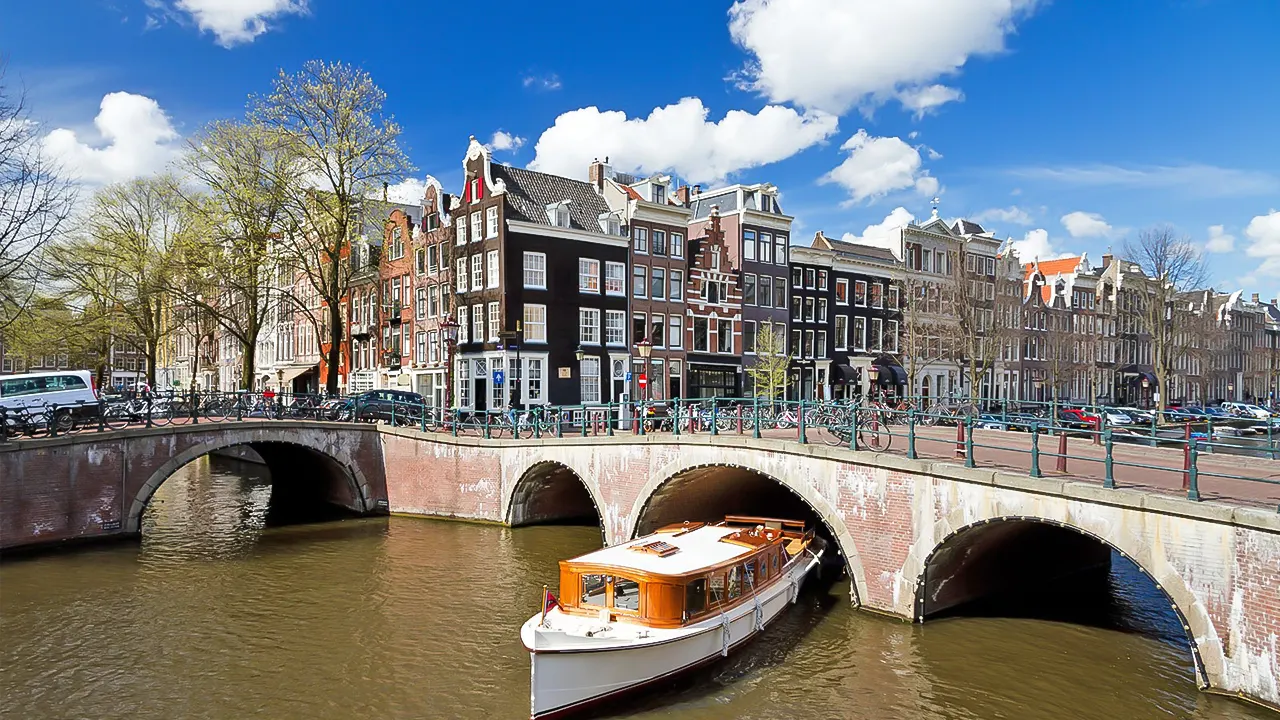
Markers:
<point>628,377</point>
<point>499,377</point>
<point>644,380</point>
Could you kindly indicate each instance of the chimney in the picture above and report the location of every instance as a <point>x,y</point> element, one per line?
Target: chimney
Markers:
<point>1106,260</point>
<point>697,190</point>
<point>1255,298</point>
<point>682,195</point>
<point>598,172</point>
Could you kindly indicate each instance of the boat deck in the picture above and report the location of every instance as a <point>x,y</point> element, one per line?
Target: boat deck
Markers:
<point>695,550</point>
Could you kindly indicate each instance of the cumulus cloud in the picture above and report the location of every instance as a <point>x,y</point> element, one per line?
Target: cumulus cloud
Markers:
<point>504,141</point>
<point>924,100</point>
<point>834,54</point>
<point>1013,215</point>
<point>883,233</point>
<point>1085,225</point>
<point>678,138</point>
<point>1035,245</point>
<point>1263,232</point>
<point>136,138</point>
<point>232,22</point>
<point>407,192</point>
<point>877,166</point>
<point>1219,241</point>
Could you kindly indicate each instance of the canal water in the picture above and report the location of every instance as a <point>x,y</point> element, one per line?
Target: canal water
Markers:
<point>216,617</point>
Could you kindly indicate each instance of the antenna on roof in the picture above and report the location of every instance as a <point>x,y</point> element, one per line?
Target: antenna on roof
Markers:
<point>935,207</point>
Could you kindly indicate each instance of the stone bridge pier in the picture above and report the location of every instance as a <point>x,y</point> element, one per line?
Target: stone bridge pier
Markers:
<point>96,486</point>
<point>919,539</point>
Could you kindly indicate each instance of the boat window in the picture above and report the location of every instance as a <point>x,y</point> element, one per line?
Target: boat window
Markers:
<point>750,570</point>
<point>735,581</point>
<point>593,587</point>
<point>695,597</point>
<point>717,588</point>
<point>775,561</point>
<point>626,594</point>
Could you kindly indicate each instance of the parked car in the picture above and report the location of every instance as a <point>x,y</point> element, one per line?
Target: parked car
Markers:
<point>71,394</point>
<point>1023,422</point>
<point>1074,419</point>
<point>1139,416</point>
<point>1116,416</point>
<point>991,422</point>
<point>1080,415</point>
<point>377,406</point>
<point>1246,410</point>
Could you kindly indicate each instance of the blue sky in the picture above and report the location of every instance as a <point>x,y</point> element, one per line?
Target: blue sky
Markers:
<point>1066,126</point>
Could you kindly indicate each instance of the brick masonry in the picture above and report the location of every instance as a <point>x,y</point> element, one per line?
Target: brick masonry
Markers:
<point>1220,565</point>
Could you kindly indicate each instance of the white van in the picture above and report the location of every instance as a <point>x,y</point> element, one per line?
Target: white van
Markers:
<point>74,389</point>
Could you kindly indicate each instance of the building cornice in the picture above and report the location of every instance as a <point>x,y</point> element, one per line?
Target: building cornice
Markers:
<point>530,228</point>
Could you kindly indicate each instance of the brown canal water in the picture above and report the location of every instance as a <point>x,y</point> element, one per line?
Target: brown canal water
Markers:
<point>216,617</point>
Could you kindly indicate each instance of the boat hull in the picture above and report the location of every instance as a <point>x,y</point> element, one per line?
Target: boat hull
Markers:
<point>566,680</point>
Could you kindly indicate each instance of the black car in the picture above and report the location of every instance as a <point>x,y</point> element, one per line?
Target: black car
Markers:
<point>399,407</point>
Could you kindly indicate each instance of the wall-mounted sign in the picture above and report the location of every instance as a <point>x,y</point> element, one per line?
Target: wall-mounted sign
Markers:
<point>564,373</point>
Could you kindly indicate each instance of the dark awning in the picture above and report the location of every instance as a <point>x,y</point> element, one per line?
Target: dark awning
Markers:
<point>891,375</point>
<point>1138,374</point>
<point>843,374</point>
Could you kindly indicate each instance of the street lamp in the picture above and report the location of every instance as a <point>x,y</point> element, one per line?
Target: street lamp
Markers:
<point>645,348</point>
<point>873,374</point>
<point>580,353</point>
<point>449,328</point>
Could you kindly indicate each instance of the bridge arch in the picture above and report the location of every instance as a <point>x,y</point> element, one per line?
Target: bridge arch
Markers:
<point>344,484</point>
<point>552,491</point>
<point>991,555</point>
<point>732,488</point>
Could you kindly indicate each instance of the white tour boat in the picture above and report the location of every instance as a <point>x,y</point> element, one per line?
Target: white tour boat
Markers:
<point>641,612</point>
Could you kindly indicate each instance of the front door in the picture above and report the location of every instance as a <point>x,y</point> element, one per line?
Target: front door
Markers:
<point>481,394</point>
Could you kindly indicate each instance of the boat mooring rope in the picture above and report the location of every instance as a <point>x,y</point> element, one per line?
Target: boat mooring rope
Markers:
<point>725,634</point>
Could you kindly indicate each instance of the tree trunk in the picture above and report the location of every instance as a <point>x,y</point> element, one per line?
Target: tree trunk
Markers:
<point>248,357</point>
<point>335,348</point>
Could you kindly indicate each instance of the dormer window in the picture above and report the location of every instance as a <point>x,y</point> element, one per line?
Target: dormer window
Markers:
<point>558,214</point>
<point>660,193</point>
<point>610,224</point>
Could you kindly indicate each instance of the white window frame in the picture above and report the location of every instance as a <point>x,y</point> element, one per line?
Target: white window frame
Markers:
<point>675,282</point>
<point>615,323</point>
<point>749,349</point>
<point>491,269</point>
<point>477,323</point>
<point>675,332</point>
<point>590,392</point>
<point>535,323</point>
<point>495,321</point>
<point>477,229</point>
<point>588,272</point>
<point>464,325</point>
<point>676,244</point>
<point>460,231</point>
<point>640,240</point>
<point>842,333</point>
<point>491,222</point>
<point>538,272</point>
<point>588,326</point>
<point>620,270</point>
<point>460,273</point>
<point>477,272</point>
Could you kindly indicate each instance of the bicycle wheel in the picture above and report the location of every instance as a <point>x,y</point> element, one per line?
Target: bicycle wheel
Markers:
<point>115,417</point>
<point>873,435</point>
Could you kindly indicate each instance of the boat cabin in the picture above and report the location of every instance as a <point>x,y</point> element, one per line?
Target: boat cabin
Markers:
<point>681,573</point>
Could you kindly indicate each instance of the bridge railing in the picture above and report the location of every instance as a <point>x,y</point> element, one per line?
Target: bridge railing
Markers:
<point>1039,437</point>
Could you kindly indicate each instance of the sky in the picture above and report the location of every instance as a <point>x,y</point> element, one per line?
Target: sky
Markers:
<point>1066,126</point>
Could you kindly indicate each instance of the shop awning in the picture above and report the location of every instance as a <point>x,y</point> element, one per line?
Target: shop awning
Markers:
<point>1138,374</point>
<point>293,371</point>
<point>843,374</point>
<point>891,375</point>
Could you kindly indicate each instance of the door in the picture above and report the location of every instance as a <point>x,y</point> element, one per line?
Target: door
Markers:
<point>480,394</point>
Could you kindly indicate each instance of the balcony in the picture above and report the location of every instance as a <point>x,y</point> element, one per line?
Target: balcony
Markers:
<point>391,360</point>
<point>361,330</point>
<point>393,313</point>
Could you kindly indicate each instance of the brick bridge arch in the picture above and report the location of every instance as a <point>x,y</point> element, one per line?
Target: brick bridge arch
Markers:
<point>551,490</point>
<point>342,482</point>
<point>979,545</point>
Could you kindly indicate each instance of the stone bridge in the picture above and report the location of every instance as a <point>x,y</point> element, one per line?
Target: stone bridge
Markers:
<point>96,485</point>
<point>918,538</point>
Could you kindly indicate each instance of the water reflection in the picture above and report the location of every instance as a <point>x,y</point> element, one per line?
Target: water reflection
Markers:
<point>218,617</point>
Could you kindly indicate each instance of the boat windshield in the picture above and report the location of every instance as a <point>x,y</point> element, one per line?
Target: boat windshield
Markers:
<point>593,590</point>
<point>626,594</point>
<point>695,597</point>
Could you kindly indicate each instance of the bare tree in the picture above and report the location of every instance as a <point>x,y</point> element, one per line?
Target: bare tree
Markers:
<point>122,263</point>
<point>229,270</point>
<point>770,374</point>
<point>1172,265</point>
<point>347,148</point>
<point>927,336</point>
<point>35,200</point>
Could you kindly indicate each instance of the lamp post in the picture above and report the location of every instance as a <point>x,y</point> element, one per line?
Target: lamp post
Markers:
<point>1146,385</point>
<point>873,374</point>
<point>580,353</point>
<point>449,328</point>
<point>1231,391</point>
<point>644,349</point>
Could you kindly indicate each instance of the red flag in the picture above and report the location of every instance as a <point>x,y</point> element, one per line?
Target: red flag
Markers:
<point>549,602</point>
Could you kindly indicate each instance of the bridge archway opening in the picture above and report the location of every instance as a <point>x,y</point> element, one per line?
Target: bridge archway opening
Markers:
<point>707,493</point>
<point>1030,568</point>
<point>257,483</point>
<point>551,493</point>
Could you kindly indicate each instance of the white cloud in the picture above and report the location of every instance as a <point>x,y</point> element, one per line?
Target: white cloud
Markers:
<point>678,138</point>
<point>834,54</point>
<point>924,100</point>
<point>503,141</point>
<point>877,166</point>
<point>1035,245</point>
<point>542,82</point>
<point>884,232</point>
<point>1085,225</point>
<point>1263,232</point>
<point>232,22</point>
<point>1196,180</point>
<point>1013,215</point>
<point>136,139</point>
<point>407,192</point>
<point>1219,241</point>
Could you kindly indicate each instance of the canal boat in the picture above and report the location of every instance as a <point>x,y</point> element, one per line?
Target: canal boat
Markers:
<point>634,614</point>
